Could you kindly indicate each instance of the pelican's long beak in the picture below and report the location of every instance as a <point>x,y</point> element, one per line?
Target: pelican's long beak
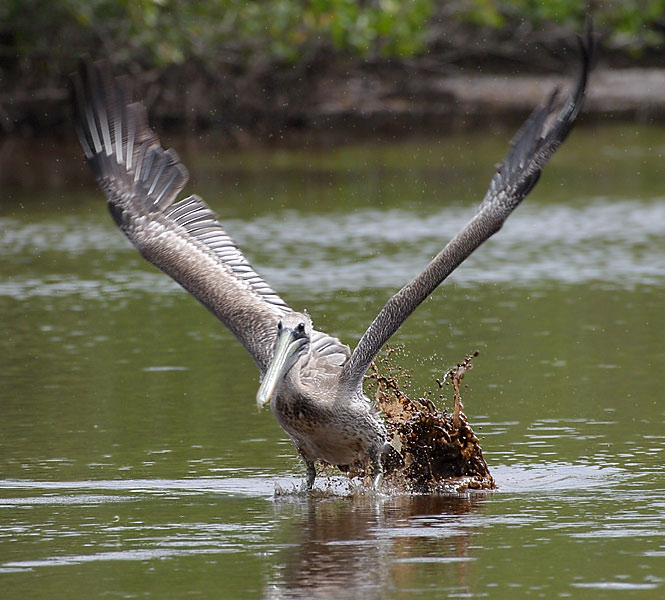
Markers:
<point>286,349</point>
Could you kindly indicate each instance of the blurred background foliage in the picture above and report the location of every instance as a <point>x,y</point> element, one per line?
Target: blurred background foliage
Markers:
<point>162,32</point>
<point>155,33</point>
<point>247,62</point>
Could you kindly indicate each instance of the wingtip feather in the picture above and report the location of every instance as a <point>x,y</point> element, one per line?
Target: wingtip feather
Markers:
<point>121,149</point>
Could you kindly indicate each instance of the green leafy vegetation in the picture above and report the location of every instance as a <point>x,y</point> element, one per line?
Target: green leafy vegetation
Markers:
<point>632,25</point>
<point>162,32</point>
<point>157,33</point>
<point>255,64</point>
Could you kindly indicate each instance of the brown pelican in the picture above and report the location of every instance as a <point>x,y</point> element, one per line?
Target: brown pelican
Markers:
<point>312,382</point>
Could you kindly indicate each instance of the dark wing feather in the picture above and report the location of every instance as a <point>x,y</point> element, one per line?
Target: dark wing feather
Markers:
<point>184,239</point>
<point>533,145</point>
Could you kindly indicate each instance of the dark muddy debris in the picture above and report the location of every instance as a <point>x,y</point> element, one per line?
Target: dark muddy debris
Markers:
<point>436,450</point>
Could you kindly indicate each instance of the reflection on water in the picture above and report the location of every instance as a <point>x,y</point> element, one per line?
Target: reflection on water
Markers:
<point>341,542</point>
<point>132,460</point>
<point>341,553</point>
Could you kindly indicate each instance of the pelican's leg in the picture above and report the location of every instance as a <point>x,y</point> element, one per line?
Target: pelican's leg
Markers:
<point>377,472</point>
<point>311,473</point>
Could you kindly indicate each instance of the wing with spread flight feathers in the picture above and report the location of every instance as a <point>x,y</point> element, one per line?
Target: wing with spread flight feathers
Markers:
<point>184,239</point>
<point>534,144</point>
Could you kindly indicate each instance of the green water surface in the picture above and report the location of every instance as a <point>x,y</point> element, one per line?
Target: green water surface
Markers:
<point>133,463</point>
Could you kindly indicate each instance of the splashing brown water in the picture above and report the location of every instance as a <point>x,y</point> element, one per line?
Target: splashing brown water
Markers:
<point>436,450</point>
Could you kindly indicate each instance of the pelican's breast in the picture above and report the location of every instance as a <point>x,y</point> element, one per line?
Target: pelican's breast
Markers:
<point>337,432</point>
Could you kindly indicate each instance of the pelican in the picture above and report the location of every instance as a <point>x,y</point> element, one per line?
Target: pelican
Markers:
<point>312,381</point>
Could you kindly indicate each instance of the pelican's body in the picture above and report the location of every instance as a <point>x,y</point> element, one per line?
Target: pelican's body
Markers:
<point>325,419</point>
<point>312,382</point>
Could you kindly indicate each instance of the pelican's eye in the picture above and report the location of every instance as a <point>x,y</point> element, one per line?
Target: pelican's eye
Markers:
<point>300,328</point>
<point>279,326</point>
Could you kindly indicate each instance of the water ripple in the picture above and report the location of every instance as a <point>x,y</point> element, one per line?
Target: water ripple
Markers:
<point>610,243</point>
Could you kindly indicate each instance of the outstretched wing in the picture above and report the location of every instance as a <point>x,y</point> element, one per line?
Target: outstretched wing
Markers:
<point>533,145</point>
<point>184,239</point>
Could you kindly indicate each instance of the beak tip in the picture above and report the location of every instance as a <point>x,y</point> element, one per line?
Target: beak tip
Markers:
<point>261,402</point>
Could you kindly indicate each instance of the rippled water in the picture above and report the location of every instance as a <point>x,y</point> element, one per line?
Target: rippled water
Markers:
<point>134,464</point>
<point>600,242</point>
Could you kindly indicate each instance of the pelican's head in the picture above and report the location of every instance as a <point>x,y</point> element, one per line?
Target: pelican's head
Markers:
<point>293,335</point>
